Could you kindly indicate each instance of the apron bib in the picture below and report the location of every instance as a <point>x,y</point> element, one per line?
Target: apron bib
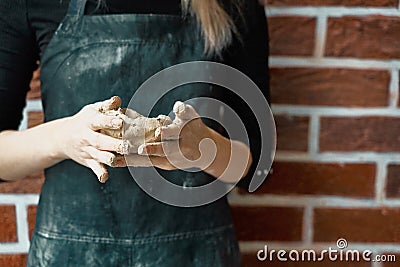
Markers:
<point>81,222</point>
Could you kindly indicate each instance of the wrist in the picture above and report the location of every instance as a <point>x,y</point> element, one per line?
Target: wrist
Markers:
<point>221,155</point>
<point>232,160</point>
<point>56,149</point>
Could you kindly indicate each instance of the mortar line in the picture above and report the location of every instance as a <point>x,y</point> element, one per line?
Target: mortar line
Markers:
<point>394,89</point>
<point>320,36</point>
<point>331,11</point>
<point>24,122</point>
<point>318,201</point>
<point>338,157</point>
<point>313,135</point>
<point>34,105</point>
<point>331,62</point>
<point>308,228</point>
<point>297,201</point>
<point>12,248</point>
<point>333,111</point>
<point>22,226</point>
<point>31,105</point>
<point>26,199</point>
<point>380,181</point>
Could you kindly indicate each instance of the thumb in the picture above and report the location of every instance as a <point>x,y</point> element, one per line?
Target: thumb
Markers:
<point>184,111</point>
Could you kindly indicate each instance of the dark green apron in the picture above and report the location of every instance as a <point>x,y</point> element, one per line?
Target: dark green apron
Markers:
<point>81,222</point>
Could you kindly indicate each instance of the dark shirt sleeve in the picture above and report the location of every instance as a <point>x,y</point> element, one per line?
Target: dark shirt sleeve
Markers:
<point>250,56</point>
<point>17,61</point>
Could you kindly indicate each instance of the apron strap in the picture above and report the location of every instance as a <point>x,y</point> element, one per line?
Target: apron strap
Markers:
<point>77,8</point>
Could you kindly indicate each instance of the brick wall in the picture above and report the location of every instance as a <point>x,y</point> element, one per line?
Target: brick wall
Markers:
<point>335,92</point>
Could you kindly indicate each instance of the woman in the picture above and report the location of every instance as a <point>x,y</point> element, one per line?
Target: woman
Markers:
<point>98,50</point>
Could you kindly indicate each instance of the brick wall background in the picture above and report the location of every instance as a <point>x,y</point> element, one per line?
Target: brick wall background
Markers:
<point>335,91</point>
<point>335,94</point>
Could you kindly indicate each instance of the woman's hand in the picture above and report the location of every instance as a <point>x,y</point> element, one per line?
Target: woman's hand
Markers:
<point>186,143</point>
<point>75,138</point>
<point>79,139</point>
<point>189,143</point>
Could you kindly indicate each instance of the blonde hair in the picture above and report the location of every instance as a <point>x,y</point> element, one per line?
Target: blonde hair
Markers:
<point>218,27</point>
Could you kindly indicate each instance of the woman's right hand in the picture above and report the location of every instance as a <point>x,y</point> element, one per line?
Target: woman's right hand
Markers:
<point>78,137</point>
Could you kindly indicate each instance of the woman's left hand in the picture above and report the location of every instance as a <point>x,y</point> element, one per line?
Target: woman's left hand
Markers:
<point>189,143</point>
<point>186,143</point>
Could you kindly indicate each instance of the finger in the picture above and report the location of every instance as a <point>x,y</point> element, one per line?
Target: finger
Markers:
<point>184,111</point>
<point>164,120</point>
<point>169,132</point>
<point>135,160</point>
<point>98,169</point>
<point>107,143</point>
<point>104,157</point>
<point>130,113</point>
<point>119,160</point>
<point>113,103</point>
<point>101,121</point>
<point>160,149</point>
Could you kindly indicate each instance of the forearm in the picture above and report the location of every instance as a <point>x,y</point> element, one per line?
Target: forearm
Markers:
<point>232,160</point>
<point>28,151</point>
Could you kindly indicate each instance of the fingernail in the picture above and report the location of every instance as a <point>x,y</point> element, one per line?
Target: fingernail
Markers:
<point>158,132</point>
<point>123,147</point>
<point>103,178</point>
<point>112,161</point>
<point>142,150</point>
<point>178,107</point>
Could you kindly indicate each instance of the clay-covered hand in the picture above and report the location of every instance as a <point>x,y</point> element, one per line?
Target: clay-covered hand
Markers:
<point>80,138</point>
<point>137,129</point>
<point>184,143</point>
<point>188,143</point>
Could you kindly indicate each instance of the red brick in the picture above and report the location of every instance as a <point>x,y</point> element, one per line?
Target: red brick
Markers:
<point>268,223</point>
<point>363,37</point>
<point>8,226</point>
<point>31,219</point>
<point>250,260</point>
<point>31,184</point>
<point>12,260</point>
<point>35,118</point>
<point>34,93</point>
<point>292,133</point>
<point>292,36</point>
<point>357,225</point>
<point>307,178</point>
<point>377,3</point>
<point>333,87</point>
<point>379,134</point>
<point>393,181</point>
